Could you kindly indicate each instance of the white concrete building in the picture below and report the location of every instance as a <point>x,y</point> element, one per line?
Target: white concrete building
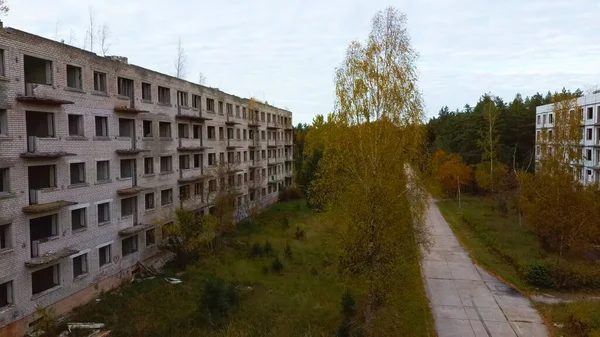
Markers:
<point>589,165</point>
<point>95,152</point>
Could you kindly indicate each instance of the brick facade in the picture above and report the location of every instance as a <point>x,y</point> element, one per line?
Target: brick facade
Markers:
<point>271,166</point>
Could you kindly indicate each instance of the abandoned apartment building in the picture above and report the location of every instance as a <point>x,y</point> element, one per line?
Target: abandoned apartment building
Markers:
<point>96,153</point>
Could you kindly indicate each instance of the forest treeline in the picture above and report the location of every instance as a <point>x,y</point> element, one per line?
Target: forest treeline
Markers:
<point>458,131</point>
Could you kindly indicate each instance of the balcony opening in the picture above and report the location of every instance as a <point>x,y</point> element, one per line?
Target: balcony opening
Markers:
<point>40,230</point>
<point>39,124</point>
<point>128,206</point>
<point>129,245</point>
<point>126,127</point>
<point>45,279</point>
<point>37,70</point>
<point>125,87</point>
<point>40,177</point>
<point>127,168</point>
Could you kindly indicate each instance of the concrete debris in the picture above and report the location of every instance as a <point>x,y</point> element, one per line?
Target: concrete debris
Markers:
<point>72,326</point>
<point>173,280</point>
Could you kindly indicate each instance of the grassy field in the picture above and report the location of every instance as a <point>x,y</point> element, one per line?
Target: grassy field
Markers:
<point>304,300</point>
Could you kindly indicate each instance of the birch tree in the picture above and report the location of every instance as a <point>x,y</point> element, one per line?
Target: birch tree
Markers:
<point>373,137</point>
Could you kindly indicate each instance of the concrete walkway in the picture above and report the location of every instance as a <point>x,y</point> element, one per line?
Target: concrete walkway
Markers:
<point>467,301</point>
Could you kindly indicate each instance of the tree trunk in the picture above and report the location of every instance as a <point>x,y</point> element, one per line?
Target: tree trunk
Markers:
<point>458,183</point>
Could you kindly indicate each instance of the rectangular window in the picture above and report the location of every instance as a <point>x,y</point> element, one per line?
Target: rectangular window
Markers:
<point>237,111</point>
<point>550,119</point>
<point>146,91</point>
<point>222,158</point>
<point>75,125</point>
<point>2,66</point>
<point>183,130</point>
<point>103,213</point>
<point>588,155</point>
<point>212,158</point>
<point>245,134</point>
<point>166,197</point>
<point>99,82</point>
<point>5,237</point>
<point>101,126</point>
<point>164,95</point>
<point>198,188</point>
<point>184,192</point>
<point>590,113</point>
<point>197,131</point>
<point>80,265</point>
<point>164,130</point>
<point>4,180</point>
<point>196,101</point>
<point>182,98</point>
<point>3,122</point>
<point>229,109</point>
<point>44,279</point>
<point>104,255</point>
<point>147,128</point>
<point>150,237</point>
<point>127,168</point>
<point>78,219</point>
<point>74,77</point>
<point>220,108</point>
<point>102,170</point>
<point>166,164</point>
<point>197,160</point>
<point>77,173</point>
<point>221,133</point>
<point>149,201</point>
<point>229,133</point>
<point>149,165</point>
<point>589,134</point>
<point>238,134</point>
<point>211,132</point>
<point>243,112</point>
<point>129,245</point>
<point>6,294</point>
<point>184,162</point>
<point>127,206</point>
<point>210,105</point>
<point>212,185</point>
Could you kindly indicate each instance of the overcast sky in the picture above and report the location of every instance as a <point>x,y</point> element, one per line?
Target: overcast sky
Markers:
<point>285,52</point>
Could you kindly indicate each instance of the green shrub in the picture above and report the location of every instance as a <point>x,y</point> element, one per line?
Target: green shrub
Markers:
<point>300,234</point>
<point>288,251</point>
<point>584,318</point>
<point>256,251</point>
<point>285,222</point>
<point>289,194</point>
<point>268,248</point>
<point>348,312</point>
<point>539,274</point>
<point>47,323</point>
<point>573,275</point>
<point>277,265</point>
<point>218,298</point>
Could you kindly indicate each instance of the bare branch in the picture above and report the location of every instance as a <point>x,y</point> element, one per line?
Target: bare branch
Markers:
<point>104,35</point>
<point>201,79</point>
<point>181,61</point>
<point>91,32</point>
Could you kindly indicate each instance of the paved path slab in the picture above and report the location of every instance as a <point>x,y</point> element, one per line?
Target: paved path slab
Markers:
<point>466,300</point>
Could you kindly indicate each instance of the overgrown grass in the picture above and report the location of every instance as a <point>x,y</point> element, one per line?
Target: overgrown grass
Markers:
<point>496,242</point>
<point>576,319</point>
<point>304,299</point>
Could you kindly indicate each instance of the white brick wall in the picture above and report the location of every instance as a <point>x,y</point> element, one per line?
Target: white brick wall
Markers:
<point>89,149</point>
